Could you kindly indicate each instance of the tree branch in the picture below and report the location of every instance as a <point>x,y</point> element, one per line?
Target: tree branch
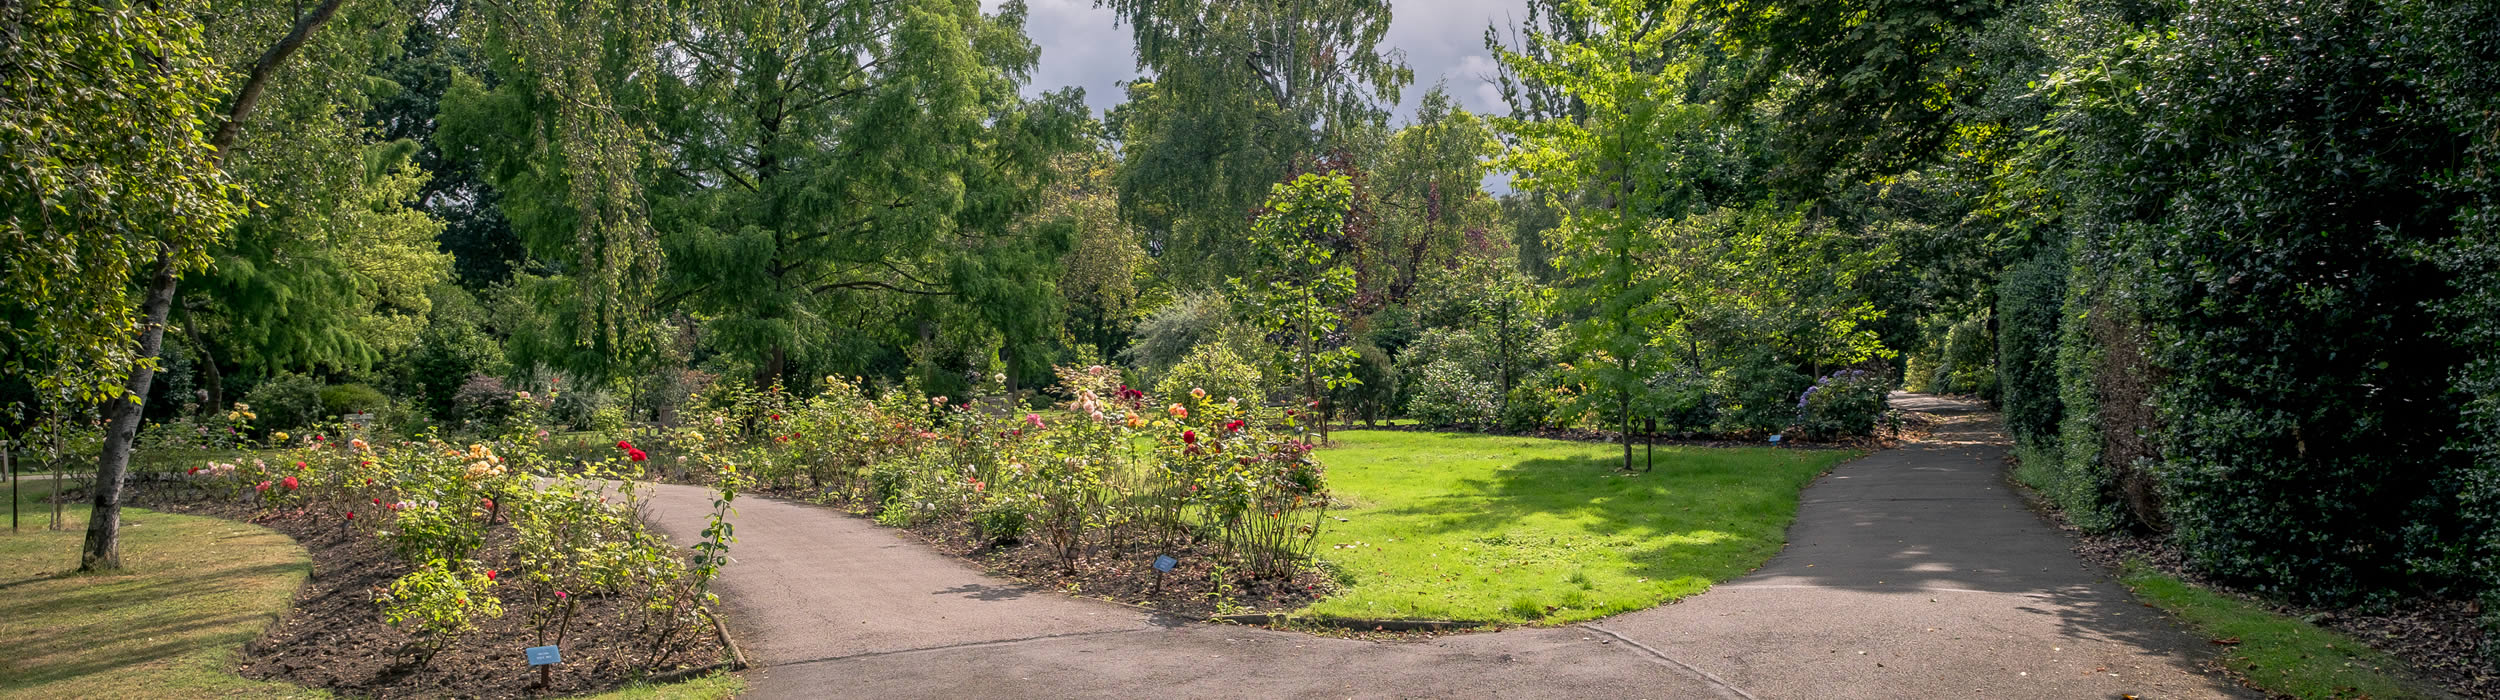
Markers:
<point>249,96</point>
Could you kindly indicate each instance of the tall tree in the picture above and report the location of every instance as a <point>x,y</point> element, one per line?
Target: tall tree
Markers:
<point>1243,95</point>
<point>1429,190</point>
<point>331,267</point>
<point>102,550</point>
<point>1640,158</point>
<point>108,174</point>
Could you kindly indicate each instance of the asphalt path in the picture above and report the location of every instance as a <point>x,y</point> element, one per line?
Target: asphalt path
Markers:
<point>1913,572</point>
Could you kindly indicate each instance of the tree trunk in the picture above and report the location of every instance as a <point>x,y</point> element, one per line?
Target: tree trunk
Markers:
<point>769,372</point>
<point>213,381</point>
<point>103,548</point>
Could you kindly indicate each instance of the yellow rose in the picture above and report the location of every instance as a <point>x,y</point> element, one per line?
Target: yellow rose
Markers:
<point>279,436</point>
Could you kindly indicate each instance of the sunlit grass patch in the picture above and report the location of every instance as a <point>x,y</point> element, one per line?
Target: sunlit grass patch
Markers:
<point>1488,528</point>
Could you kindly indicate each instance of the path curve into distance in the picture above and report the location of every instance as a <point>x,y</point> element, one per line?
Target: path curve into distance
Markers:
<point>1913,572</point>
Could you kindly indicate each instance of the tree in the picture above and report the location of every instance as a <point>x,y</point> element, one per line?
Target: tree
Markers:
<point>109,178</point>
<point>1429,189</point>
<point>812,159</point>
<point>1859,88</point>
<point>1243,95</point>
<point>1299,285</point>
<point>1640,155</point>
<point>1105,273</point>
<point>180,250</point>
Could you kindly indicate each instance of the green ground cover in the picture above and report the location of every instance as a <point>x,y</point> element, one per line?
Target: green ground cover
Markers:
<point>1509,529</point>
<point>170,624</point>
<point>2279,654</point>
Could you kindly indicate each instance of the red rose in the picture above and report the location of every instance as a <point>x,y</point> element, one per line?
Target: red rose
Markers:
<point>636,455</point>
<point>490,574</point>
<point>1189,437</point>
<point>623,445</point>
<point>289,482</point>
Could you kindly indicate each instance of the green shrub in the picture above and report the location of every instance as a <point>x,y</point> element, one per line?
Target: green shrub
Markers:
<point>2274,246</point>
<point>1217,368</point>
<point>286,401</point>
<point>1371,397</point>
<point>1967,363</point>
<point>1760,393</point>
<point>2029,300</point>
<point>1843,403</point>
<point>1538,401</point>
<point>1003,517</point>
<point>437,602</point>
<point>345,399</point>
<point>1446,394</point>
<point>1681,402</point>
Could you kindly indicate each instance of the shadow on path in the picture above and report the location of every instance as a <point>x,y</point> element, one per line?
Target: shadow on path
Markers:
<point>1914,571</point>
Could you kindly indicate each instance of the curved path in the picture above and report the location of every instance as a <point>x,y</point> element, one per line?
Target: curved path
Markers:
<point>1912,572</point>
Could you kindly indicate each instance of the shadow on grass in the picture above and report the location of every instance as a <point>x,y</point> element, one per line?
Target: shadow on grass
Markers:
<point>171,621</point>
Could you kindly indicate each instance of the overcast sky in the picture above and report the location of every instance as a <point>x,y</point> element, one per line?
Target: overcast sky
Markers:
<point>1443,40</point>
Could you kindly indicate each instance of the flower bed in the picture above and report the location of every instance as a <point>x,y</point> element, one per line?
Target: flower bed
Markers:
<point>435,564</point>
<point>1083,499</point>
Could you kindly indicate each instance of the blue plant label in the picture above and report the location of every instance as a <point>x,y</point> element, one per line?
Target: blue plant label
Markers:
<point>1775,439</point>
<point>541,656</point>
<point>1165,562</point>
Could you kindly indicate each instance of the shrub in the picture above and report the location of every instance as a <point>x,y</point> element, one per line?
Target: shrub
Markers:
<point>1760,395</point>
<point>286,401</point>
<point>1446,394</point>
<point>1843,403</point>
<point>1537,402</point>
<point>1217,368</point>
<point>345,399</point>
<point>437,602</point>
<point>1002,518</point>
<point>2028,304</point>
<point>483,401</point>
<point>1681,402</point>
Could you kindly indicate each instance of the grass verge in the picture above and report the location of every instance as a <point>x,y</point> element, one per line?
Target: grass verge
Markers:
<point>172,623</point>
<point>1515,530</point>
<point>2273,652</point>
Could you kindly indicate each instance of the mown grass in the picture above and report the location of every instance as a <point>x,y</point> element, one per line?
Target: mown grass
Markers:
<point>170,624</point>
<point>2276,653</point>
<point>1508,529</point>
<point>173,622</point>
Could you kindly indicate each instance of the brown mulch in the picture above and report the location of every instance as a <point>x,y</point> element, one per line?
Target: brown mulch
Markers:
<point>333,637</point>
<point>2443,641</point>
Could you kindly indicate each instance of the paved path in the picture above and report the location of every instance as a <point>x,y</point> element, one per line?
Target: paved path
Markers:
<point>1914,572</point>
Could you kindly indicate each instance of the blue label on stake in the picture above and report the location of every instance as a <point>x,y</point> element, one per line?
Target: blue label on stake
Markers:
<point>541,656</point>
<point>1775,439</point>
<point>1165,562</point>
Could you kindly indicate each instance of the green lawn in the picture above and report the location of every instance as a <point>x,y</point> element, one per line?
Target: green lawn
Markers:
<point>195,590</point>
<point>2280,654</point>
<point>1486,528</point>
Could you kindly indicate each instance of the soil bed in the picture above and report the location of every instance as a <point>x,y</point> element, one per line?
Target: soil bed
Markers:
<point>334,636</point>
